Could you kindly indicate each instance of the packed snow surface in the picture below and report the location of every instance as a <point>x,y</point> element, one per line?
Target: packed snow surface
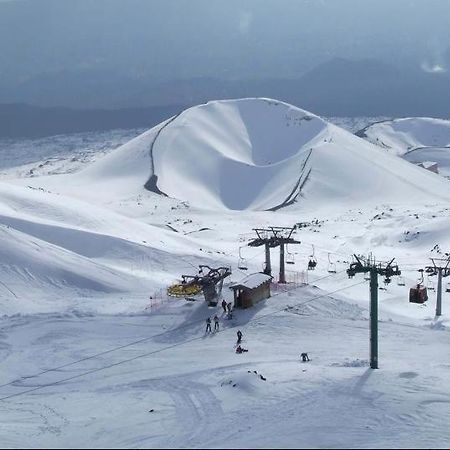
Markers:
<point>94,354</point>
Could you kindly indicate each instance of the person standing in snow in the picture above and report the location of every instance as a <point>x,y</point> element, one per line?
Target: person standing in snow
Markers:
<point>208,325</point>
<point>305,357</point>
<point>224,305</point>
<point>216,323</point>
<point>239,336</point>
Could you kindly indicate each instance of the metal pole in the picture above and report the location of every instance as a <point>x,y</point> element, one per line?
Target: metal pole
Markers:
<point>439,294</point>
<point>268,268</point>
<point>373,318</point>
<point>282,273</point>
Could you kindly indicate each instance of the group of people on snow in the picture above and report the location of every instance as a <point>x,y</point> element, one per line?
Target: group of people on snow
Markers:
<point>208,324</point>
<point>228,309</point>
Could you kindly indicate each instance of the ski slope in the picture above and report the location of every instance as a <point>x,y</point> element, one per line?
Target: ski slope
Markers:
<point>87,359</point>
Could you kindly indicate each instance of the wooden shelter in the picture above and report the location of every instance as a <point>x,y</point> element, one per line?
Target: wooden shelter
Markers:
<point>250,290</point>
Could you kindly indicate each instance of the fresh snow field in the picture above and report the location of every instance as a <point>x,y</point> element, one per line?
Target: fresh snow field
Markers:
<point>88,359</point>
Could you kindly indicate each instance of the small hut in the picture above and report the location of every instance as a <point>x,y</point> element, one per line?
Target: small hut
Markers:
<point>251,290</point>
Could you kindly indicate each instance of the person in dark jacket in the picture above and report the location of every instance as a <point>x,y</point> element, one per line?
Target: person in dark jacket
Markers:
<point>208,325</point>
<point>224,305</point>
<point>239,336</point>
<point>305,357</point>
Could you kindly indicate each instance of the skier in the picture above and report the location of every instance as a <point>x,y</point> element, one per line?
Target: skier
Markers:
<point>305,357</point>
<point>239,336</point>
<point>239,349</point>
<point>216,323</point>
<point>229,307</point>
<point>208,325</point>
<point>224,305</point>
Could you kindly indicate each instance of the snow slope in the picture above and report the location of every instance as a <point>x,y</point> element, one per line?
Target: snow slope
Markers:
<point>54,247</point>
<point>402,135</point>
<point>416,139</point>
<point>84,362</point>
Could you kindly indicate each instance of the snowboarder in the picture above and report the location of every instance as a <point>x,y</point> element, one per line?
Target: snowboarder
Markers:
<point>216,323</point>
<point>224,305</point>
<point>208,325</point>
<point>239,349</point>
<point>305,357</point>
<point>239,336</point>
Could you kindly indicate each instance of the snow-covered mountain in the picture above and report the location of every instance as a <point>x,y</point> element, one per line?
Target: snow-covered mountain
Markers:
<point>417,139</point>
<point>400,136</point>
<point>86,356</point>
<point>257,154</point>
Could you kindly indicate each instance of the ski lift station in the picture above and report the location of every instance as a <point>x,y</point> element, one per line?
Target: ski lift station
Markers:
<point>250,290</point>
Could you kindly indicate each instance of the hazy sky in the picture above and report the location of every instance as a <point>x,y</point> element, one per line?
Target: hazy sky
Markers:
<point>230,39</point>
<point>48,35</point>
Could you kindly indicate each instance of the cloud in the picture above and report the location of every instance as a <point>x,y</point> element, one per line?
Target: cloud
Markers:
<point>433,68</point>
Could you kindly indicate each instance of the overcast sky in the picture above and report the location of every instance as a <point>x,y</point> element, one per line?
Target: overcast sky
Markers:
<point>229,39</point>
<point>39,35</point>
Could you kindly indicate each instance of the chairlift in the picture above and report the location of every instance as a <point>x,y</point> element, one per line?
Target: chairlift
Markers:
<point>400,281</point>
<point>366,276</point>
<point>290,258</point>
<point>447,287</point>
<point>242,263</point>
<point>331,265</point>
<point>419,293</point>
<point>312,260</point>
<point>430,284</point>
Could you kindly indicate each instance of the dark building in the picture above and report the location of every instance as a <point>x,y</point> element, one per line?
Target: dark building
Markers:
<point>251,290</point>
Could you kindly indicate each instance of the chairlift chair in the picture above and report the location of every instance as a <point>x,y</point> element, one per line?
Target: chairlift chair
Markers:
<point>447,287</point>
<point>418,294</point>
<point>290,258</point>
<point>401,281</point>
<point>331,265</point>
<point>312,260</point>
<point>430,284</point>
<point>242,263</point>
